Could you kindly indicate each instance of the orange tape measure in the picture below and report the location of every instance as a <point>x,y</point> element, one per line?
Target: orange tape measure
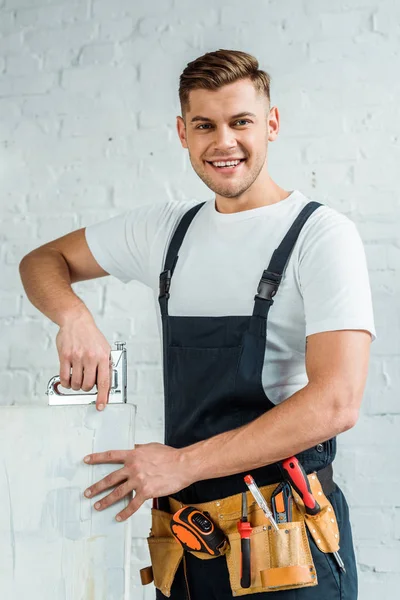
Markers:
<point>195,531</point>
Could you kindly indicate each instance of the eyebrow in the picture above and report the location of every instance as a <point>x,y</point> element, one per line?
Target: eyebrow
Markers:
<point>237,116</point>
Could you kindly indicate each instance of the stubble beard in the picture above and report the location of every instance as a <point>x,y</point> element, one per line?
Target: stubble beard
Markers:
<point>229,190</point>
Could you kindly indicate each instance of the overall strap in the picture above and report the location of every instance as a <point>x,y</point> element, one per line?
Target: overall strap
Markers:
<point>172,255</point>
<point>272,276</point>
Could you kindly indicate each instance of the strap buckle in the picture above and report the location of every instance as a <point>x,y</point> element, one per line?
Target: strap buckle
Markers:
<point>268,287</point>
<point>165,282</point>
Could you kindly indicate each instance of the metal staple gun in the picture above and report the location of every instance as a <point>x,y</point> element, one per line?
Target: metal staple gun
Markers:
<point>118,394</point>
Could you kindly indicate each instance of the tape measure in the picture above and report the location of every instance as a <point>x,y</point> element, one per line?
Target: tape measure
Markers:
<point>195,531</point>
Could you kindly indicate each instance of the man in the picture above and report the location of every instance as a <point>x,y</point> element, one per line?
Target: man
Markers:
<point>266,336</point>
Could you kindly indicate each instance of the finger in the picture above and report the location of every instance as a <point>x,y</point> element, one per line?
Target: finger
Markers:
<point>106,483</point>
<point>120,492</point>
<point>111,456</point>
<point>77,375</point>
<point>65,373</point>
<point>132,507</point>
<point>89,376</point>
<point>103,383</point>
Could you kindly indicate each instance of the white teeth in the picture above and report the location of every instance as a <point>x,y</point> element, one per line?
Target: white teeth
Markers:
<point>229,163</point>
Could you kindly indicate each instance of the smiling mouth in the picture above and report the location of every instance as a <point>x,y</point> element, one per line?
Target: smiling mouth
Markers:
<point>226,165</point>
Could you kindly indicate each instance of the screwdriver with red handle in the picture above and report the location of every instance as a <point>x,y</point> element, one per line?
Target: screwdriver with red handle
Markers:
<point>296,476</point>
<point>245,530</point>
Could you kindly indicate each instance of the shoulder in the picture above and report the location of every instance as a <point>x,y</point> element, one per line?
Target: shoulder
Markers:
<point>327,229</point>
<point>160,214</point>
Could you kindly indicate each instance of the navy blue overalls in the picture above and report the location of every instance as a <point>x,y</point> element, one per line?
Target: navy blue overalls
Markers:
<point>213,383</point>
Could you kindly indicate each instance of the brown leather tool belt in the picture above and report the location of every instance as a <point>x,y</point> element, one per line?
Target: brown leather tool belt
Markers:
<point>279,560</point>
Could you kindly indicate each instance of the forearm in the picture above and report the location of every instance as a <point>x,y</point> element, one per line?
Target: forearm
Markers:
<point>47,283</point>
<point>311,416</point>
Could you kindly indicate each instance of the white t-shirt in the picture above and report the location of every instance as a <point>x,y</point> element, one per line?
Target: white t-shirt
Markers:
<point>325,286</point>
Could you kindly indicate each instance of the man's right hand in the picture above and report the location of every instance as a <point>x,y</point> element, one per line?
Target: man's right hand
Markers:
<point>83,349</point>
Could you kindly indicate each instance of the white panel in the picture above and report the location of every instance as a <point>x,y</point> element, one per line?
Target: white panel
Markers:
<point>53,544</point>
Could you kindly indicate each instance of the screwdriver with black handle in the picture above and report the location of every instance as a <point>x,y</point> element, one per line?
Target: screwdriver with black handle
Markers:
<point>296,476</point>
<point>245,530</point>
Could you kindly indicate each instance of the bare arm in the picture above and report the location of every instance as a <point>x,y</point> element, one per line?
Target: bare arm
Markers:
<point>47,274</point>
<point>337,366</point>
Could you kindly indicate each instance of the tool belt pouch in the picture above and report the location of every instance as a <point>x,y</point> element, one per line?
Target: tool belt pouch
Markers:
<point>279,560</point>
<point>165,551</point>
<point>282,560</point>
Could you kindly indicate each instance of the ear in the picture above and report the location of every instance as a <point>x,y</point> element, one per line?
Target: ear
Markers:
<point>181,129</point>
<point>273,124</point>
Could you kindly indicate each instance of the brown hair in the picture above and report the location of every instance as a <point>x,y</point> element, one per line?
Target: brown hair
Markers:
<point>215,69</point>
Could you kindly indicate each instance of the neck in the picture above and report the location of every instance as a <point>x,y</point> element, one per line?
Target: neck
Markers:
<point>262,192</point>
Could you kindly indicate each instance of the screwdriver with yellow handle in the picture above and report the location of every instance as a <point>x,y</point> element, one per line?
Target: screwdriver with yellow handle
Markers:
<point>296,476</point>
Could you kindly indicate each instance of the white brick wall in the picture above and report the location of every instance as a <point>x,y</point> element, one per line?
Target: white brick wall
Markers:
<point>88,99</point>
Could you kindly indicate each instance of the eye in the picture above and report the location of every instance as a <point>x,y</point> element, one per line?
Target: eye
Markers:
<point>203,125</point>
<point>242,122</point>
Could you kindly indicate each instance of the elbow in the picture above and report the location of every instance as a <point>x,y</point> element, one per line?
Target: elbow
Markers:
<point>349,420</point>
<point>346,412</point>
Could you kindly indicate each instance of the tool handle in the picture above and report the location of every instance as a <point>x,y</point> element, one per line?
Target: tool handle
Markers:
<point>297,477</point>
<point>245,570</point>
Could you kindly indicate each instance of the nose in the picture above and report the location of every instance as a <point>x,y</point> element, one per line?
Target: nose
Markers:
<point>225,138</point>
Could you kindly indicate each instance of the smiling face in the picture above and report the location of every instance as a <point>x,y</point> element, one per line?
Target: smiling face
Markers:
<point>226,132</point>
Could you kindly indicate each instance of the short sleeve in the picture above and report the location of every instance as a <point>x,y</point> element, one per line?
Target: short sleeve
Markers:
<point>333,275</point>
<point>131,246</point>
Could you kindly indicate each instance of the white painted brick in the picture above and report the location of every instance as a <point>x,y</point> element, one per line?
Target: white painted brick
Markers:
<point>383,558</point>
<point>92,298</point>
<point>397,523</point>
<point>150,380</point>
<point>15,252</point>
<point>127,299</point>
<point>150,416</point>
<point>10,305</point>
<point>29,3</point>
<point>342,6</point>
<point>89,217</point>
<point>116,30</point>
<point>387,21</point>
<point>97,54</point>
<point>56,59</point>
<point>345,24</point>
<point>88,125</point>
<point>18,227</point>
<point>50,16</point>
<point>6,22</point>
<point>379,585</point>
<point>145,352</point>
<point>18,65</point>
<point>11,43</point>
<point>383,376</point>
<point>361,518</point>
<point>360,493</point>
<point>116,328</point>
<point>10,280</point>
<point>90,80</point>
<point>25,85</point>
<point>119,8</point>
<point>70,36</point>
<point>14,386</point>
<point>340,149</point>
<point>379,430</point>
<point>55,226</point>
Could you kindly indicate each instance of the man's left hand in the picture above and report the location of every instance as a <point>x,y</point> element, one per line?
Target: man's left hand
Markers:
<point>150,470</point>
